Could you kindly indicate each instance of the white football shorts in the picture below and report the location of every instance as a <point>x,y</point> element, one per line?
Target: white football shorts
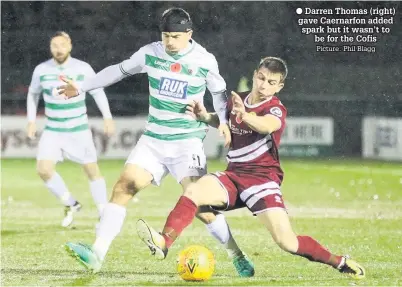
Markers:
<point>78,147</point>
<point>180,158</point>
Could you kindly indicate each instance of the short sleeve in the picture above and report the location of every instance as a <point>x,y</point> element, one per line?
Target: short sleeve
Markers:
<point>277,110</point>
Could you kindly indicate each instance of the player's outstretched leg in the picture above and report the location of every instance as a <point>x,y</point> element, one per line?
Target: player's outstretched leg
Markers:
<point>217,226</point>
<point>182,214</point>
<point>219,229</point>
<point>278,224</point>
<point>207,191</point>
<point>131,181</point>
<point>85,255</point>
<point>154,240</point>
<point>179,218</point>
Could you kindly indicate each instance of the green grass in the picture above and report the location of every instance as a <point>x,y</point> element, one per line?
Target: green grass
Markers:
<point>352,207</point>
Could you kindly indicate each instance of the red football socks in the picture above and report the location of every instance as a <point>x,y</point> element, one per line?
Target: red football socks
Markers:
<point>179,218</point>
<point>314,251</point>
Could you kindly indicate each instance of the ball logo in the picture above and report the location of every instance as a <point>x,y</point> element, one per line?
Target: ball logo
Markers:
<point>175,68</point>
<point>276,111</point>
<point>191,265</point>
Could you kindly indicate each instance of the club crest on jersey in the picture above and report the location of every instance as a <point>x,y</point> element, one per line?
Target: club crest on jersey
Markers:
<point>276,111</point>
<point>175,68</point>
<point>173,88</point>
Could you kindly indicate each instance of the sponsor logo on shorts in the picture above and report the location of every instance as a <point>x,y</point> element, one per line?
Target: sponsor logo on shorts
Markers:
<point>278,199</point>
<point>173,88</point>
<point>196,163</point>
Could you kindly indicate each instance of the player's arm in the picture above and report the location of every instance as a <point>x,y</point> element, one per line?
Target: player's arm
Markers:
<point>212,120</point>
<point>99,97</point>
<point>106,77</point>
<point>262,124</point>
<point>115,73</point>
<point>103,105</point>
<point>266,124</point>
<point>33,96</point>
<point>198,111</point>
<point>217,87</point>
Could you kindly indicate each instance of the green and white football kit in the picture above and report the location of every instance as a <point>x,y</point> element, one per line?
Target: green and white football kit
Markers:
<point>172,141</point>
<point>66,134</point>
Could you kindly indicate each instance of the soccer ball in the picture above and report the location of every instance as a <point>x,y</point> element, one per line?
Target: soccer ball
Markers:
<point>195,263</point>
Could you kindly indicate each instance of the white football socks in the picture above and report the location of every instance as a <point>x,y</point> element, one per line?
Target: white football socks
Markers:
<point>220,230</point>
<point>99,193</point>
<point>110,226</point>
<point>57,186</point>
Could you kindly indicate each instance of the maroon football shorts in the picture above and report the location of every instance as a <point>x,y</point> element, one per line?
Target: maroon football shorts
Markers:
<point>255,192</point>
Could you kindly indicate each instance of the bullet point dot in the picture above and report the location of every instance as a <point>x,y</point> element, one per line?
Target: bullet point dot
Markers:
<point>299,11</point>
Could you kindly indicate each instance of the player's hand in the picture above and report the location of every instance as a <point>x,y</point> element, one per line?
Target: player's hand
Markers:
<point>31,130</point>
<point>69,90</point>
<point>224,131</point>
<point>198,111</point>
<point>238,106</point>
<point>108,127</point>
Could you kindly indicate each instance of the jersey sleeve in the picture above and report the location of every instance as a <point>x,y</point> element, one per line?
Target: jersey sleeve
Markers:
<point>215,82</point>
<point>99,96</point>
<point>277,110</point>
<point>34,86</point>
<point>135,64</point>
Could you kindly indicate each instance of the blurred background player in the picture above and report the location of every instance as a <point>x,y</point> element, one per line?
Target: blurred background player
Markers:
<point>253,176</point>
<point>66,133</point>
<point>179,71</point>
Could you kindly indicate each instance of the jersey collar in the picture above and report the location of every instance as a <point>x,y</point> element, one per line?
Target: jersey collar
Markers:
<point>257,104</point>
<point>64,65</point>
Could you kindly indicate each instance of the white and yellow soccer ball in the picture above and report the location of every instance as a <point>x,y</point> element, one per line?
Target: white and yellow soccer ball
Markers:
<point>195,263</point>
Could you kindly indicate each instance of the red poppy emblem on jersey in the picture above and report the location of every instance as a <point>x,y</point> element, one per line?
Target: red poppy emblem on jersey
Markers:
<point>238,120</point>
<point>176,67</point>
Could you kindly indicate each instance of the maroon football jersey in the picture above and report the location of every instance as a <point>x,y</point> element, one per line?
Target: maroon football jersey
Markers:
<point>252,152</point>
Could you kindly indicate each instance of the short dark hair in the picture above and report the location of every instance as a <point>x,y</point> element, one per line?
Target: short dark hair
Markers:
<point>61,34</point>
<point>175,16</point>
<point>274,65</point>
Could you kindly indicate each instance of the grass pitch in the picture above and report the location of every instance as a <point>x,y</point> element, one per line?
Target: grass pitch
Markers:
<point>352,207</point>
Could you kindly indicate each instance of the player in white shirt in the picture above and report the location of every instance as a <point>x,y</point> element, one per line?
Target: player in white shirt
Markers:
<point>66,134</point>
<point>179,71</point>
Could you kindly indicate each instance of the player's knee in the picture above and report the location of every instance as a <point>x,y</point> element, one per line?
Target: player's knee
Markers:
<point>45,172</point>
<point>93,172</point>
<point>127,185</point>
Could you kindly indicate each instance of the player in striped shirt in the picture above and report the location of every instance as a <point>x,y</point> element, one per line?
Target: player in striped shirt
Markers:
<point>66,134</point>
<point>179,71</point>
<point>253,176</point>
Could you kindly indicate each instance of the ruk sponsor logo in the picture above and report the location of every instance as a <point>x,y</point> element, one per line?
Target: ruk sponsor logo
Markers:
<point>173,88</point>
